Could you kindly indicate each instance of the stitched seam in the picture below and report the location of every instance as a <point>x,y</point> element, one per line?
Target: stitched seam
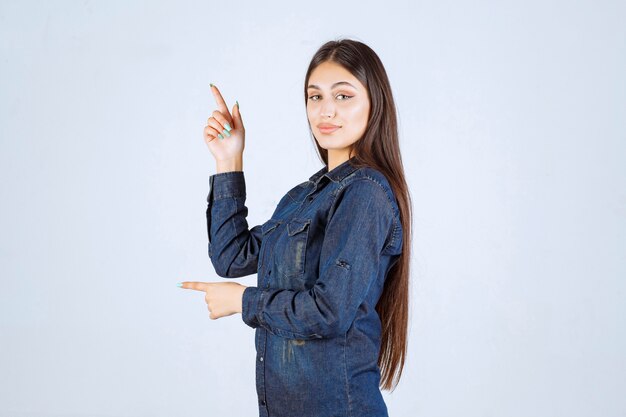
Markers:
<point>274,223</point>
<point>295,335</point>
<point>395,225</point>
<point>257,313</point>
<point>345,367</point>
<point>232,219</point>
<point>227,195</point>
<point>393,236</point>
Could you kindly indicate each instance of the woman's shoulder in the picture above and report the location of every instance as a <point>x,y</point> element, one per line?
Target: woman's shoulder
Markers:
<point>367,184</point>
<point>371,174</point>
<point>374,177</point>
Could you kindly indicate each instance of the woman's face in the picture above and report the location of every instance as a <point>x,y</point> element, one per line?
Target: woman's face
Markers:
<point>336,97</point>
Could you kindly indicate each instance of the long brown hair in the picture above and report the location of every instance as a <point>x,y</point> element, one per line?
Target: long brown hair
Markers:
<point>379,148</point>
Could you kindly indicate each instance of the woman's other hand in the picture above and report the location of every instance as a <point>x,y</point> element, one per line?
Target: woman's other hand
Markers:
<point>222,298</point>
<point>230,146</point>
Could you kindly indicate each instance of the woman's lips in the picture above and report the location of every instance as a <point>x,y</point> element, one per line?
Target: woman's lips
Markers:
<point>327,130</point>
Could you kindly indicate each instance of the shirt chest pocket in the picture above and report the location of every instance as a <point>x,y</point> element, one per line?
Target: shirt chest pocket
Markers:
<point>269,225</point>
<point>291,259</point>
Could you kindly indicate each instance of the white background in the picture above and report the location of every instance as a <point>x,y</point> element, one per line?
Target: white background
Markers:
<point>513,133</point>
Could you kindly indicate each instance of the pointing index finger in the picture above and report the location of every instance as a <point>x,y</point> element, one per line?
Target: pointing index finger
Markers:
<point>193,285</point>
<point>221,104</point>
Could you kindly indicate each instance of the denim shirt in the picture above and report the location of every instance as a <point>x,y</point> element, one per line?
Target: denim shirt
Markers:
<point>321,261</point>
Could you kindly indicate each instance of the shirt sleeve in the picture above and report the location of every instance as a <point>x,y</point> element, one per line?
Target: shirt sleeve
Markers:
<point>360,224</point>
<point>233,249</point>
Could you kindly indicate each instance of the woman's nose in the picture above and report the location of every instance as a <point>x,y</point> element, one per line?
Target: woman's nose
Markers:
<point>328,110</point>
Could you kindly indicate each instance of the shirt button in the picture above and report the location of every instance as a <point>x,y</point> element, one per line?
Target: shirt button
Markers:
<point>262,402</point>
<point>261,358</point>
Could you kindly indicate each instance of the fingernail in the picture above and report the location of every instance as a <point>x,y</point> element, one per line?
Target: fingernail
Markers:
<point>226,133</point>
<point>180,284</point>
<point>219,135</point>
<point>227,126</point>
<point>237,103</point>
<point>211,84</point>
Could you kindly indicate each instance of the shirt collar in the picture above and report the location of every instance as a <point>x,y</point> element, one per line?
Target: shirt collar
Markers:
<point>336,174</point>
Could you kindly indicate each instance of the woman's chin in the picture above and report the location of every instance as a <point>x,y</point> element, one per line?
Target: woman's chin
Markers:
<point>329,143</point>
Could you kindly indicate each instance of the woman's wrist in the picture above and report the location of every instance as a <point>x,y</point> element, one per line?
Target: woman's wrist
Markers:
<point>228,165</point>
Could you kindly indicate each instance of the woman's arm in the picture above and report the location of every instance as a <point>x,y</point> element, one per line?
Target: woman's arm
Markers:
<point>356,237</point>
<point>233,249</point>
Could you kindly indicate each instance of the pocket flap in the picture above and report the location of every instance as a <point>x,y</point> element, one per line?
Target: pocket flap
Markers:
<point>297,225</point>
<point>269,225</point>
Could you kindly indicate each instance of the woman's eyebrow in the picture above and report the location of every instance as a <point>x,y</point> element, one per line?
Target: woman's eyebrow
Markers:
<point>333,86</point>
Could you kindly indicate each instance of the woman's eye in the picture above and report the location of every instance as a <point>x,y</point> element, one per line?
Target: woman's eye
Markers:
<point>338,95</point>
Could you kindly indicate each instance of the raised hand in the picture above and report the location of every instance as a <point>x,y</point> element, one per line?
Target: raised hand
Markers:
<point>224,133</point>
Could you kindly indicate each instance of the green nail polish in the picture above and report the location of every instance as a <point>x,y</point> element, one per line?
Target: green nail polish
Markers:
<point>180,284</point>
<point>211,84</point>
<point>226,133</point>
<point>237,103</point>
<point>227,126</point>
<point>219,135</point>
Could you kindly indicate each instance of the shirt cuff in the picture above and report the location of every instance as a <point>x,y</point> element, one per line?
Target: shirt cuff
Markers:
<point>227,185</point>
<point>250,306</point>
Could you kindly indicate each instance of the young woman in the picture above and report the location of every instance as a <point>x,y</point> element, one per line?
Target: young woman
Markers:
<point>330,307</point>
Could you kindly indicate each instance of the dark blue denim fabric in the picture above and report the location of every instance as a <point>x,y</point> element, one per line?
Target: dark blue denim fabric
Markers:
<point>321,262</point>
